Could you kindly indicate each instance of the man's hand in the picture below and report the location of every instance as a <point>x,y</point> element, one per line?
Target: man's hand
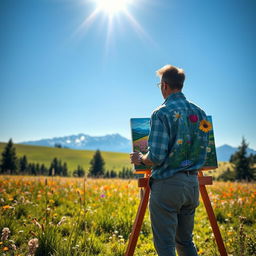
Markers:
<point>136,158</point>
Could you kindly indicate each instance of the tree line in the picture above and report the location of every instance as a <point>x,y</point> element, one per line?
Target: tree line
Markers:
<point>11,164</point>
<point>244,165</point>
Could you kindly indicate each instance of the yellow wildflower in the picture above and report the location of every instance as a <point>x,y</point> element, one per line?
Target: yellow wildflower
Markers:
<point>6,207</point>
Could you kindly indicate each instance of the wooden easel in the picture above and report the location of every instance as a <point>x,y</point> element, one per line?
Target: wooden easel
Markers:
<point>143,183</point>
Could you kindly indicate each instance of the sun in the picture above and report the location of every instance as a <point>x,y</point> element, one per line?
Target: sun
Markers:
<point>111,7</point>
<point>115,11</point>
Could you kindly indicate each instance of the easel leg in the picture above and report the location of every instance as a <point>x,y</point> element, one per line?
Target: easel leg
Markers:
<point>138,221</point>
<point>212,218</point>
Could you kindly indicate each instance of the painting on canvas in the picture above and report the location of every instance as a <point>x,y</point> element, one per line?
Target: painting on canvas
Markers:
<point>140,128</point>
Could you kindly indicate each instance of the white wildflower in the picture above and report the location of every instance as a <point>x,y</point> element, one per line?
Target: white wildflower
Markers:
<point>5,234</point>
<point>32,246</point>
<point>63,219</point>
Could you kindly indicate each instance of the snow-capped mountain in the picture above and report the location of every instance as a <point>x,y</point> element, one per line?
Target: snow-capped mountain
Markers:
<point>112,142</point>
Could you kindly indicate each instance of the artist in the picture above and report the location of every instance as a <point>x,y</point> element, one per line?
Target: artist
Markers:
<point>177,150</point>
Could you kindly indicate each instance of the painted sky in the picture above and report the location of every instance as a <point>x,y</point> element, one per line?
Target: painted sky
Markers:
<point>64,73</point>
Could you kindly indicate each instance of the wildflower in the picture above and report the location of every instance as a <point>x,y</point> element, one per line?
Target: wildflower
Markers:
<point>102,196</point>
<point>200,251</point>
<point>63,219</point>
<point>5,249</point>
<point>32,246</point>
<point>5,234</point>
<point>6,207</point>
<point>205,126</point>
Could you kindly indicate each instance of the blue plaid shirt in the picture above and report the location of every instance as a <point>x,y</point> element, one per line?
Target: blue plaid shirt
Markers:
<point>177,139</point>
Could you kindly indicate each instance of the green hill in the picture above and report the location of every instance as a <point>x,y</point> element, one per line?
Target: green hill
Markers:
<point>113,160</point>
<point>44,155</point>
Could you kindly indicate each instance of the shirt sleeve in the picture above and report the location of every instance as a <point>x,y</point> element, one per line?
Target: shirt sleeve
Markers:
<point>158,139</point>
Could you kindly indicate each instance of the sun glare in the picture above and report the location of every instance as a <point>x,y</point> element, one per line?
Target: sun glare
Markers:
<point>115,11</point>
<point>112,7</point>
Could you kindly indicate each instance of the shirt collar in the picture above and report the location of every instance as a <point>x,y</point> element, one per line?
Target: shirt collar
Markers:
<point>174,96</point>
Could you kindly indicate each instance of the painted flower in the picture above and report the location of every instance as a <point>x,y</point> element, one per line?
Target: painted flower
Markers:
<point>193,118</point>
<point>179,141</point>
<point>205,126</point>
<point>171,154</point>
<point>186,163</point>
<point>176,116</point>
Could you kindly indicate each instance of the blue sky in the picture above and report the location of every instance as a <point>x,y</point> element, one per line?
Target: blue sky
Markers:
<point>59,78</point>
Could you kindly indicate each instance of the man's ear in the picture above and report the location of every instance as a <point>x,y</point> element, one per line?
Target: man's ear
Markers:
<point>165,86</point>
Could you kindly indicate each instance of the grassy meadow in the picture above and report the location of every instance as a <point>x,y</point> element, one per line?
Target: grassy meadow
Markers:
<point>73,158</point>
<point>75,216</point>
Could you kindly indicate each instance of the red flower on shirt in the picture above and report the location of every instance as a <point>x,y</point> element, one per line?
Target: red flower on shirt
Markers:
<point>193,118</point>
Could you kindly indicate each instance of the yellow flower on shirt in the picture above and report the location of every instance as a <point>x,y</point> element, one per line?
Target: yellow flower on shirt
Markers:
<point>205,126</point>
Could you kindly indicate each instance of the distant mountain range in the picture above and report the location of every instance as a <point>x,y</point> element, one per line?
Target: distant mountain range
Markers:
<point>224,152</point>
<point>113,143</point>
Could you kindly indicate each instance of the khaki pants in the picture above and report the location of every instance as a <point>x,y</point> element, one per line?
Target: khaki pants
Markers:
<point>172,208</point>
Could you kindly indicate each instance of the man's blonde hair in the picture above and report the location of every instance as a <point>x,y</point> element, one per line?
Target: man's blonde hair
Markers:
<point>172,75</point>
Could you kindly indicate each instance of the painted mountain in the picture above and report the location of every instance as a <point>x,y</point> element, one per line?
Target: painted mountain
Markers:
<point>112,142</point>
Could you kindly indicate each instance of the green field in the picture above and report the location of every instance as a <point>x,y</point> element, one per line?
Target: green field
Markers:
<point>114,161</point>
<point>44,155</point>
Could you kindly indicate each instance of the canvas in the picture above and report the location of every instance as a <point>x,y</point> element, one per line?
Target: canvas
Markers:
<point>140,128</point>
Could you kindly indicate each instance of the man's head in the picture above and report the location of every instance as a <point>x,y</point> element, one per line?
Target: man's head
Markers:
<point>172,79</point>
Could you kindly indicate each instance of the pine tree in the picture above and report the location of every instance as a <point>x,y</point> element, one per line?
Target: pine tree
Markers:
<point>242,163</point>
<point>113,174</point>
<point>23,164</point>
<point>33,169</point>
<point>65,169</point>
<point>43,170</point>
<point>79,172</point>
<point>9,159</point>
<point>97,165</point>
